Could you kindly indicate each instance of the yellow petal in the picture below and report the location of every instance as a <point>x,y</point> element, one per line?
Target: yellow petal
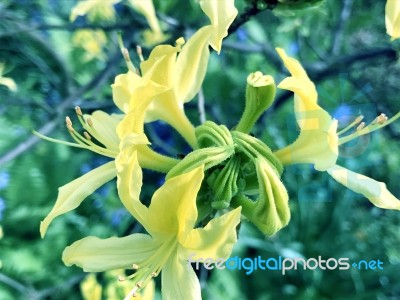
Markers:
<point>318,141</point>
<point>317,146</point>
<point>103,128</point>
<point>146,8</point>
<point>94,9</point>
<point>165,56</point>
<point>374,191</point>
<point>129,183</point>
<point>8,82</point>
<point>221,14</point>
<point>90,288</point>
<point>178,280</point>
<point>216,239</point>
<point>173,206</point>
<point>96,255</point>
<point>392,18</point>
<point>191,65</point>
<point>71,195</point>
<point>123,88</point>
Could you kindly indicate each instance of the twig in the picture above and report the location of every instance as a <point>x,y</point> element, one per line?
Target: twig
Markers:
<point>200,106</point>
<point>338,33</point>
<point>13,284</point>
<point>96,81</point>
<point>254,9</point>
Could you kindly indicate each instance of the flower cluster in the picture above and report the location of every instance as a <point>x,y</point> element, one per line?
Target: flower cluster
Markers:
<point>228,175</point>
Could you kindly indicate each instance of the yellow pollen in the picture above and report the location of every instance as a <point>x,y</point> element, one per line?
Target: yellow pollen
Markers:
<point>78,111</point>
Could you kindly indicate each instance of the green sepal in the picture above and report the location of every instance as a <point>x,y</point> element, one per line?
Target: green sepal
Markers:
<point>254,148</point>
<point>209,157</point>
<point>210,134</point>
<point>270,212</point>
<point>224,184</point>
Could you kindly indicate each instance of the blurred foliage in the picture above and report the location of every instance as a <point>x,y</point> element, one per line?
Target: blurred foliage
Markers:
<point>343,46</point>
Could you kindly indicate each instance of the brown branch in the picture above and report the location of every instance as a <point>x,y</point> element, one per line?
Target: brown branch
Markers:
<point>254,9</point>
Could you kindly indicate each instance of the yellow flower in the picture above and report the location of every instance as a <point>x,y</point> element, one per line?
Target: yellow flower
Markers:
<point>95,10</point>
<point>319,141</point>
<point>392,18</point>
<point>102,127</point>
<point>6,81</point>
<point>169,220</point>
<point>92,41</point>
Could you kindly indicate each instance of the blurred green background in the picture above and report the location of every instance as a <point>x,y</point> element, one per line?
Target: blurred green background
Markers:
<point>57,64</point>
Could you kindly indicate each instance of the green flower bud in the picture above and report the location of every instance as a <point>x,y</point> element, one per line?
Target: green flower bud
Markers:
<point>260,94</point>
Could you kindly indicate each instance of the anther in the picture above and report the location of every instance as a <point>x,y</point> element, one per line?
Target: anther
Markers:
<point>135,266</point>
<point>78,111</point>
<point>87,135</point>
<point>139,284</point>
<point>358,119</point>
<point>90,122</point>
<point>361,126</point>
<point>121,278</point>
<point>69,123</point>
<point>153,274</point>
<point>125,53</point>
<point>139,52</point>
<point>381,119</point>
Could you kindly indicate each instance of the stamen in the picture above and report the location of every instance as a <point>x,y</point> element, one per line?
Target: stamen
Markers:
<point>354,123</point>
<point>139,52</point>
<point>78,110</point>
<point>154,274</point>
<point>139,284</point>
<point>378,123</point>
<point>121,278</point>
<point>69,124</point>
<point>135,266</point>
<point>361,126</point>
<point>90,122</point>
<point>87,136</point>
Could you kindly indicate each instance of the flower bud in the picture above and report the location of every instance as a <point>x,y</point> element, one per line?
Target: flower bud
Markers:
<point>260,93</point>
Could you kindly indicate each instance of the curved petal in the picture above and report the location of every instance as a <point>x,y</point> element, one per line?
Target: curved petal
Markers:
<point>270,212</point>
<point>103,128</point>
<point>165,57</point>
<point>123,87</point>
<point>221,14</point>
<point>146,8</point>
<point>129,183</point>
<point>71,195</point>
<point>216,239</point>
<point>392,18</point>
<point>316,146</point>
<point>318,140</point>
<point>191,65</point>
<point>173,207</point>
<point>374,191</point>
<point>178,280</point>
<point>96,255</point>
